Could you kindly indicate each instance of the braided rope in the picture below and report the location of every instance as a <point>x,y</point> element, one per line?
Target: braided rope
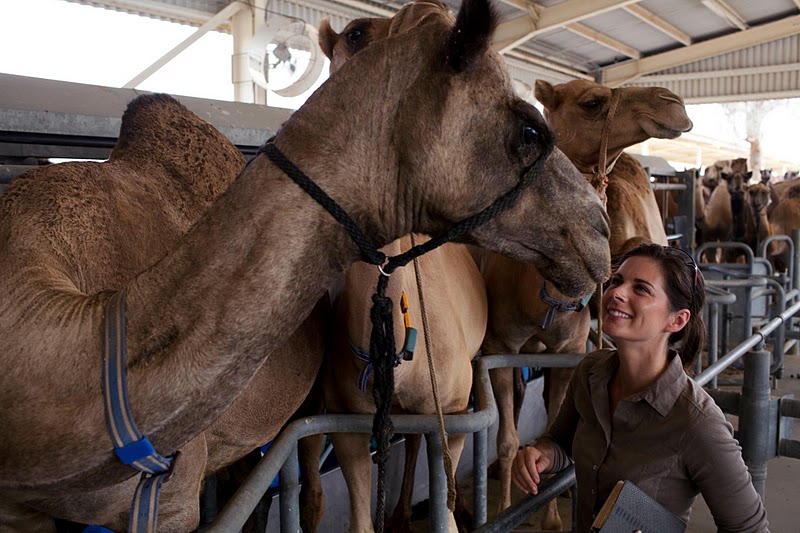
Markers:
<point>448,459</point>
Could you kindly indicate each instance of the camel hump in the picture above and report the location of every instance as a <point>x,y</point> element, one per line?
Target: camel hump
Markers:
<point>793,191</point>
<point>157,130</point>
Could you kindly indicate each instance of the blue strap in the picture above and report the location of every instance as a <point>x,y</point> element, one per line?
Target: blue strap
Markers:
<point>130,446</point>
<point>557,305</point>
<point>363,355</point>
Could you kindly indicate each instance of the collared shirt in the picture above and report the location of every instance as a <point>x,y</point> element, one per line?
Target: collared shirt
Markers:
<point>670,439</point>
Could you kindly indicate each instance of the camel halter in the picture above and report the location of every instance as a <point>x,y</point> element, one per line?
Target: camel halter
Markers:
<point>599,180</point>
<point>382,344</point>
<point>599,177</point>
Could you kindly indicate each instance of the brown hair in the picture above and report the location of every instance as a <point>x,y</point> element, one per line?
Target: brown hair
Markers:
<point>685,288</point>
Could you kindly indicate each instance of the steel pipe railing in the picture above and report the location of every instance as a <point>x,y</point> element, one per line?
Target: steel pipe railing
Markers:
<point>516,514</point>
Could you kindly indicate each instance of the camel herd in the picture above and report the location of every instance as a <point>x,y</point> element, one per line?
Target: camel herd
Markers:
<point>243,293</point>
<point>730,207</point>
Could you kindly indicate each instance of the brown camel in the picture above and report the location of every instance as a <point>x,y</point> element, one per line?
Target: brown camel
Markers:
<point>525,321</point>
<point>455,304</point>
<point>152,125</point>
<point>729,215</point>
<point>783,219</point>
<point>399,137</point>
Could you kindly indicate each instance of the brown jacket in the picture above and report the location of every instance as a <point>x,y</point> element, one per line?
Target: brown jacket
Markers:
<point>670,439</point>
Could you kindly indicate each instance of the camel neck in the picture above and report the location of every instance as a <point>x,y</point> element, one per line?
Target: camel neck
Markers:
<point>258,261</point>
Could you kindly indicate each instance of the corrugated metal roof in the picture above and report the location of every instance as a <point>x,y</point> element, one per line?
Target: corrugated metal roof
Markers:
<point>746,67</point>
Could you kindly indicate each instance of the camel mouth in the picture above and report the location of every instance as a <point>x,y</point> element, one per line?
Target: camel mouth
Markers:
<point>660,130</point>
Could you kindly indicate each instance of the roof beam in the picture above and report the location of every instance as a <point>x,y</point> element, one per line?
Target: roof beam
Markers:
<point>603,39</point>
<point>550,65</point>
<point>725,11</point>
<point>660,24</point>
<point>526,5</point>
<point>223,16</point>
<point>723,73</point>
<point>617,75</point>
<point>516,31</point>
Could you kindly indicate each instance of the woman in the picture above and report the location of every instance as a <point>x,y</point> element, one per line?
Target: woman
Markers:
<point>634,414</point>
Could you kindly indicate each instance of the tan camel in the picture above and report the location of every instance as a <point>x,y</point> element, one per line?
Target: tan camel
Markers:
<point>783,219</point>
<point>393,137</point>
<point>520,318</point>
<point>455,304</point>
<point>577,111</point>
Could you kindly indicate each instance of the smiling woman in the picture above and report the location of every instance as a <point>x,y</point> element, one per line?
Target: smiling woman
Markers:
<point>633,413</point>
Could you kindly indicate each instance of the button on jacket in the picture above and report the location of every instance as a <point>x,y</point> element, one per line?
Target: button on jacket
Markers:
<point>670,439</point>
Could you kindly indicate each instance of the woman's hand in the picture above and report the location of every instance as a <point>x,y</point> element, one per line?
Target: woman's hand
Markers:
<point>528,464</point>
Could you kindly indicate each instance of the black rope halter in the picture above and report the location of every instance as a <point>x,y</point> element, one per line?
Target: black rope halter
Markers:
<point>382,342</point>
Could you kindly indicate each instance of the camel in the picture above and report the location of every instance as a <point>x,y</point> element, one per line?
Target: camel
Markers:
<point>731,213</point>
<point>784,218</point>
<point>523,320</point>
<point>149,126</point>
<point>455,302</point>
<point>577,111</point>
<point>206,311</point>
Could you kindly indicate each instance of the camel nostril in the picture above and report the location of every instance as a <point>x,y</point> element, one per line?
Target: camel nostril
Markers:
<point>671,97</point>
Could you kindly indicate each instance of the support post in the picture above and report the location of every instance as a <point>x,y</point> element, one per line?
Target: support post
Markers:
<point>290,494</point>
<point>438,485</point>
<point>754,420</point>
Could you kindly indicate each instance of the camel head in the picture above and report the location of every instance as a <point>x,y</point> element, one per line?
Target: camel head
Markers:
<point>738,177</point>
<point>339,47</point>
<point>760,197</point>
<point>577,111</point>
<point>433,108</point>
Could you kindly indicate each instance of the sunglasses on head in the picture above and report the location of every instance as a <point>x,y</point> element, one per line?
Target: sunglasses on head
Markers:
<point>691,264</point>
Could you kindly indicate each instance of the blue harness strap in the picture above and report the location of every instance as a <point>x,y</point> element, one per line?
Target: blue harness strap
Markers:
<point>130,446</point>
<point>363,355</point>
<point>557,305</point>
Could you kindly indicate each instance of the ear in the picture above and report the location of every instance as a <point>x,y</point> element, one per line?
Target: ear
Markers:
<point>471,34</point>
<point>750,174</point>
<point>327,38</point>
<point>545,94</point>
<point>679,321</point>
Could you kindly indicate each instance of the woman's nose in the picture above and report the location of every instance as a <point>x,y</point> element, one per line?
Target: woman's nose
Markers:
<point>617,294</point>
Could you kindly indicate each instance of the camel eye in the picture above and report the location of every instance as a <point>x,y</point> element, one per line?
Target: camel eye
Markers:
<point>591,105</point>
<point>529,135</point>
<point>354,36</point>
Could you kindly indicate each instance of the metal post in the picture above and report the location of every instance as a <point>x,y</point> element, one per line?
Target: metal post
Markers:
<point>794,262</point>
<point>713,338</point>
<point>754,415</point>
<point>480,460</point>
<point>438,484</point>
<point>290,494</point>
<point>480,477</point>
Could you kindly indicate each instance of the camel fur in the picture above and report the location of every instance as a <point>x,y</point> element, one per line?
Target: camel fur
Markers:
<point>400,137</point>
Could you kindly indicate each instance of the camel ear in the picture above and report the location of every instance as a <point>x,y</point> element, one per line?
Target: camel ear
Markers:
<point>327,38</point>
<point>545,94</point>
<point>470,37</point>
